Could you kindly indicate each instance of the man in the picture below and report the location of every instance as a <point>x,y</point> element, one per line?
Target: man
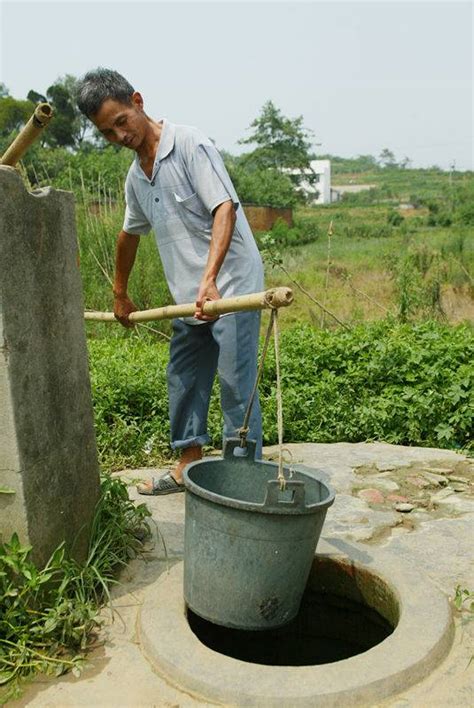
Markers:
<point>178,187</point>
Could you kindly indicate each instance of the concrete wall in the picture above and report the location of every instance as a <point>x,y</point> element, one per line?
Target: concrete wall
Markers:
<point>48,454</point>
<point>262,218</point>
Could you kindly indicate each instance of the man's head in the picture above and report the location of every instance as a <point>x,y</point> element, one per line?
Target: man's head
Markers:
<point>114,107</point>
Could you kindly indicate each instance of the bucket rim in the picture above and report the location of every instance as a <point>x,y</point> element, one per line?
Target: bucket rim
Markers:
<point>281,509</point>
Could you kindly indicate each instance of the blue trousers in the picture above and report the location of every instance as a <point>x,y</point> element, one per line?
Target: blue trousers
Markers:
<point>228,346</point>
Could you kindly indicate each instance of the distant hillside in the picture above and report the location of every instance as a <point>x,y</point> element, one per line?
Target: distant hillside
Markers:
<point>398,183</point>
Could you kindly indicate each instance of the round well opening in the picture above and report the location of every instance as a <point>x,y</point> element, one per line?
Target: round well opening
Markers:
<point>346,610</point>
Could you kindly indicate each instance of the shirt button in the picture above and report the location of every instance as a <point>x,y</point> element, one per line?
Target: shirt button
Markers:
<point>157,199</point>
<point>152,183</point>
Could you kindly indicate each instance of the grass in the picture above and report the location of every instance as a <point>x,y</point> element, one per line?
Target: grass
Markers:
<point>97,227</point>
<point>405,183</point>
<point>49,617</point>
<point>363,283</point>
<point>373,264</point>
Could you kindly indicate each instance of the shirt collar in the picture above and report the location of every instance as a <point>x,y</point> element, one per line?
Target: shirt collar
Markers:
<point>166,143</point>
<point>165,146</point>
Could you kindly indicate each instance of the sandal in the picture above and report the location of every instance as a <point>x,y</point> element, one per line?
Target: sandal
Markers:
<point>164,485</point>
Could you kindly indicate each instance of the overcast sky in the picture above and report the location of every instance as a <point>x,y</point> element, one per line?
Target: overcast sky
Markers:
<point>364,75</point>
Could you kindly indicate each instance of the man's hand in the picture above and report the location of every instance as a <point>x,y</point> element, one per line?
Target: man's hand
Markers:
<point>123,306</point>
<point>207,291</point>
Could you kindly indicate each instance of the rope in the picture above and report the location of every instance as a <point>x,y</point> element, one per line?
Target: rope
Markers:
<point>243,431</point>
<point>276,338</point>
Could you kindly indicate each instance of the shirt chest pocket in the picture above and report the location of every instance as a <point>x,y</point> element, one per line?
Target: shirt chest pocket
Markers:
<point>193,213</point>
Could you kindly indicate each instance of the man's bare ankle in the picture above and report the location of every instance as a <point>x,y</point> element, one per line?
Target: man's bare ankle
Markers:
<point>189,454</point>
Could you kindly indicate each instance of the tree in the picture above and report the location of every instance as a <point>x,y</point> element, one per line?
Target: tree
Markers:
<point>281,142</point>
<point>36,97</point>
<point>262,186</point>
<point>13,114</point>
<point>4,92</point>
<point>68,127</point>
<point>387,158</point>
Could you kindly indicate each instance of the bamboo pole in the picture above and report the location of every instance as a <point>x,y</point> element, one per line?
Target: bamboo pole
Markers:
<point>275,297</point>
<point>32,130</point>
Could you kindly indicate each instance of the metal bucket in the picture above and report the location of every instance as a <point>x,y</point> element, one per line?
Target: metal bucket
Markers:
<point>248,546</point>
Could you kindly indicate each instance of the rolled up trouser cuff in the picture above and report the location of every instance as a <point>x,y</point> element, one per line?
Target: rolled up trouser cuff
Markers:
<point>197,441</point>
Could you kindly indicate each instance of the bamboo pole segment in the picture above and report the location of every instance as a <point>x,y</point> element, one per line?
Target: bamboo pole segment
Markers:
<point>273,298</point>
<point>32,130</point>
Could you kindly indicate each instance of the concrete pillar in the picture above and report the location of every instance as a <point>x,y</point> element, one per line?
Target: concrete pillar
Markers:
<point>48,455</point>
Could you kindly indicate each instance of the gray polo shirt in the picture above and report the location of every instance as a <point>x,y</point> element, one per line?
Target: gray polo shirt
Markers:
<point>188,182</point>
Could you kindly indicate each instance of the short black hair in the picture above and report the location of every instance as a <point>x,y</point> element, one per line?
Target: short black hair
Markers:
<point>97,86</point>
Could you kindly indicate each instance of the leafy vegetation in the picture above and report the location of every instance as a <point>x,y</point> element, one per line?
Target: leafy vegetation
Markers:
<point>130,400</point>
<point>261,186</point>
<point>371,268</point>
<point>403,384</point>
<point>464,600</point>
<point>411,269</point>
<point>351,165</point>
<point>281,142</point>
<point>93,174</point>
<point>401,185</point>
<point>49,617</point>
<point>13,114</point>
<point>399,383</point>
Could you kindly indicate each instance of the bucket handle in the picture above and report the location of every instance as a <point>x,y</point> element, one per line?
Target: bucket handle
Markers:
<point>294,489</point>
<point>233,450</point>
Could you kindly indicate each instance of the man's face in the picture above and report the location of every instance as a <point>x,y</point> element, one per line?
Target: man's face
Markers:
<point>122,123</point>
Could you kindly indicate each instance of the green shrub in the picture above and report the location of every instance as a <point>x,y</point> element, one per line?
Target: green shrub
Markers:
<point>365,197</point>
<point>439,218</point>
<point>264,187</point>
<point>394,218</point>
<point>365,230</point>
<point>305,230</point>
<point>130,400</point>
<point>465,214</point>
<point>404,384</point>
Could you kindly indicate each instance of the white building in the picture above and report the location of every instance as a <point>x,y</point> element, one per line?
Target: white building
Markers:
<point>322,168</point>
<point>320,187</point>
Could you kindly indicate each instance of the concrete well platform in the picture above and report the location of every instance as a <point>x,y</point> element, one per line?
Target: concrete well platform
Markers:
<point>429,542</point>
<point>422,638</point>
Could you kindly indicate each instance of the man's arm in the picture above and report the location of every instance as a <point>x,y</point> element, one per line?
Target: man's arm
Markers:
<point>125,252</point>
<point>222,229</point>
